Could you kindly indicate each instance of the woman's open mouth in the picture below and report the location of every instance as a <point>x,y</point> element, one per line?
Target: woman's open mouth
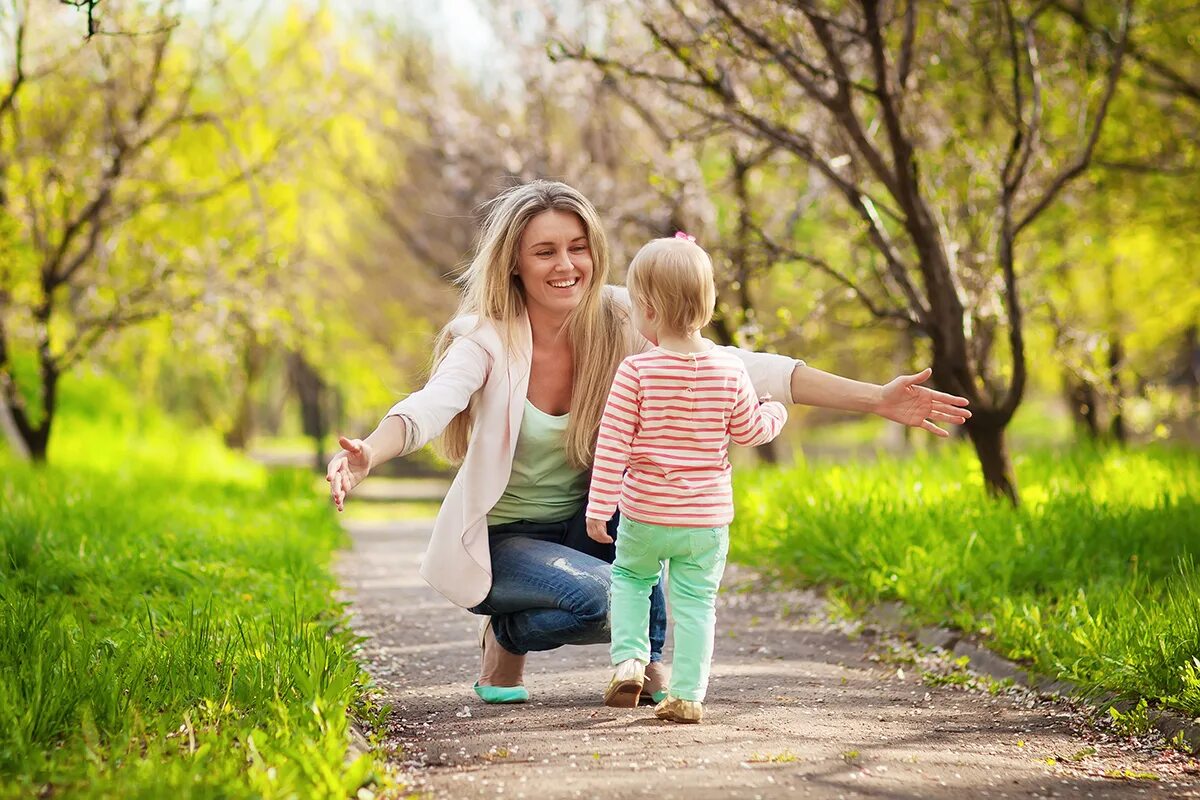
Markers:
<point>564,284</point>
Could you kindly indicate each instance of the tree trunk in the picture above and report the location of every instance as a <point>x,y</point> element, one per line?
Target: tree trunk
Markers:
<point>1081,397</point>
<point>28,440</point>
<point>39,444</point>
<point>12,435</point>
<point>1189,377</point>
<point>768,453</point>
<point>313,395</point>
<point>37,437</point>
<point>1116,354</point>
<point>253,359</point>
<point>992,450</point>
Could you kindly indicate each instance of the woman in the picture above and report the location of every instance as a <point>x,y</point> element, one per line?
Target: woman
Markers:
<point>518,386</point>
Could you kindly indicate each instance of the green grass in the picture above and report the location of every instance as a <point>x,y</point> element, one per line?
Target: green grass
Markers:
<point>1093,579</point>
<point>167,625</point>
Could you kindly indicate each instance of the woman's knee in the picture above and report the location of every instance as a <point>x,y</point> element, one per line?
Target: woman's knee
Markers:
<point>589,596</point>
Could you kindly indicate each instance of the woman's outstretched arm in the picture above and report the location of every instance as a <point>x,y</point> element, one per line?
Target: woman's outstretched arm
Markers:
<point>903,399</point>
<point>412,422</point>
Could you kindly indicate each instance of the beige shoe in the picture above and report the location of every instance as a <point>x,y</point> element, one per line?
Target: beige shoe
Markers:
<point>677,710</point>
<point>626,684</point>
<point>654,689</point>
<point>501,673</point>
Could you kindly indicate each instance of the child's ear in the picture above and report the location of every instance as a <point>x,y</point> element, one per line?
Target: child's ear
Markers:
<point>648,312</point>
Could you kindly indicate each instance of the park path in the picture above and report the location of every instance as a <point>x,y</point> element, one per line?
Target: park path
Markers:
<point>797,708</point>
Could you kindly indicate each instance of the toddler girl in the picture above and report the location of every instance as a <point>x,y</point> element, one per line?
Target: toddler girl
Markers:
<point>662,457</point>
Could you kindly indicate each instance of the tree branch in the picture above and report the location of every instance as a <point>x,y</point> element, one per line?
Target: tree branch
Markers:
<point>842,107</point>
<point>18,73</point>
<point>1082,160</point>
<point>902,151</point>
<point>778,250</point>
<point>1174,79</point>
<point>904,64</point>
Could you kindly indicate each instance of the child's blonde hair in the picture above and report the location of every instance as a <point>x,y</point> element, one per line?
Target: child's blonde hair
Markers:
<point>675,278</point>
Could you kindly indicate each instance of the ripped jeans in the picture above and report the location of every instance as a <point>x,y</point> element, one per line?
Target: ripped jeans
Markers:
<point>550,587</point>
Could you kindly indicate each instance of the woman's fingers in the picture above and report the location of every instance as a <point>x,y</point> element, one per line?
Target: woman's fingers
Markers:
<point>953,411</point>
<point>934,394</point>
<point>340,474</point>
<point>342,483</point>
<point>948,399</point>
<point>934,429</point>
<point>335,464</point>
<point>943,416</point>
<point>920,377</point>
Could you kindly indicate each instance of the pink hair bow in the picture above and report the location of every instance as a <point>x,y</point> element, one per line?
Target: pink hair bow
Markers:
<point>685,236</point>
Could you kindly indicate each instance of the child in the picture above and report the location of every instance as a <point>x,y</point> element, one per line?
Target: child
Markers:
<point>662,455</point>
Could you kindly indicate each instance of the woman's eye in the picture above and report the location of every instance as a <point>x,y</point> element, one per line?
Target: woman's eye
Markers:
<point>580,248</point>
<point>546,253</point>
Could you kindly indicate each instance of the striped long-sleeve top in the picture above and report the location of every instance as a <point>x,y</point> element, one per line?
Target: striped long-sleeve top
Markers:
<point>662,451</point>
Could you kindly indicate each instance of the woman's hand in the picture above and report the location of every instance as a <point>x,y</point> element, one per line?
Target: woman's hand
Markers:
<point>597,531</point>
<point>347,469</point>
<point>905,401</point>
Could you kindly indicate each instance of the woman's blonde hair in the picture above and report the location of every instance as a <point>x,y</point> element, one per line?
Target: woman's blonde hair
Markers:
<point>675,278</point>
<point>598,328</point>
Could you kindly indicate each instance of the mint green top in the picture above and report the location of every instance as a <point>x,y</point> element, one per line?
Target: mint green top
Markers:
<point>543,487</point>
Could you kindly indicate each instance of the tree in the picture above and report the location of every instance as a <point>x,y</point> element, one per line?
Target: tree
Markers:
<point>113,154</point>
<point>1121,297</point>
<point>935,126</point>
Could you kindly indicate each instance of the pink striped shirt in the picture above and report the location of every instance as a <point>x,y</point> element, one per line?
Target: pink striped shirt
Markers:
<point>663,450</point>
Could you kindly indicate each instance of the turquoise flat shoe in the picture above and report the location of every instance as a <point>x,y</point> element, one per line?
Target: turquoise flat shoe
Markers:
<point>498,694</point>
<point>503,694</point>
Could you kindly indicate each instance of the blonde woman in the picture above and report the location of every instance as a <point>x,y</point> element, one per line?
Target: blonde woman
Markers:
<point>518,387</point>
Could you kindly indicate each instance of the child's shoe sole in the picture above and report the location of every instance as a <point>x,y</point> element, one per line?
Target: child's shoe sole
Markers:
<point>623,694</point>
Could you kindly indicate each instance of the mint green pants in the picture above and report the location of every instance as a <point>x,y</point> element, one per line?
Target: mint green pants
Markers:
<point>696,560</point>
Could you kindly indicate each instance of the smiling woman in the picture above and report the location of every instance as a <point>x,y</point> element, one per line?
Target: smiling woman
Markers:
<point>518,388</point>
<point>555,263</point>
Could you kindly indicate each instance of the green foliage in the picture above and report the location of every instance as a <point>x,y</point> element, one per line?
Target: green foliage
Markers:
<point>167,624</point>
<point>1134,722</point>
<point>1092,579</point>
<point>104,428</point>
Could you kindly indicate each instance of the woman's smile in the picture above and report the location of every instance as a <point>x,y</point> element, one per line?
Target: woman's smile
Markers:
<point>554,264</point>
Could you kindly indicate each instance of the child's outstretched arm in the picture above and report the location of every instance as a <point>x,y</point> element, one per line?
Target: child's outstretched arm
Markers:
<point>617,427</point>
<point>753,423</point>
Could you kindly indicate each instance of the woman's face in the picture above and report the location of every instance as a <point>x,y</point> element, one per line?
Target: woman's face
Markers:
<point>554,263</point>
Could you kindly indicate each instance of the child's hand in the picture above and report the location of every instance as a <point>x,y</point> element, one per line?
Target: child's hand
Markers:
<point>597,530</point>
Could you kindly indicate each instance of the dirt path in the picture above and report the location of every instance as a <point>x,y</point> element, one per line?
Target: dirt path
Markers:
<point>796,709</point>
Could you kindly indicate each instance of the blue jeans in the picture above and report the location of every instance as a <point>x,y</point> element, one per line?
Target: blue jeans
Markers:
<point>550,587</point>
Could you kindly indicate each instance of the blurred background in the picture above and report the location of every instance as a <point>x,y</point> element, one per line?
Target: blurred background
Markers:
<point>247,217</point>
<point>230,230</point>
